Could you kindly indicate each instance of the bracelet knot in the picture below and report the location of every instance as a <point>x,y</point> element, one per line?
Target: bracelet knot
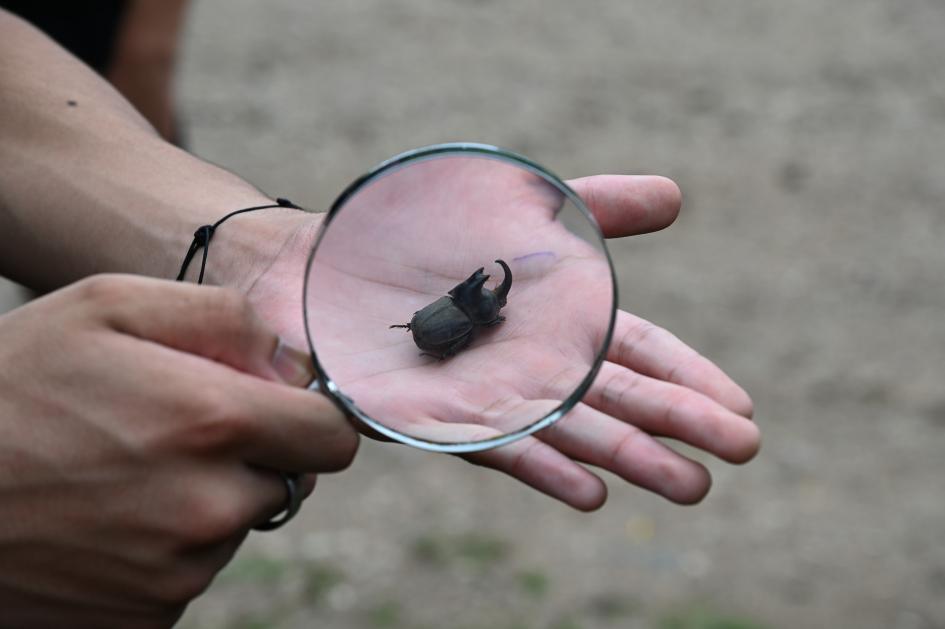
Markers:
<point>203,235</point>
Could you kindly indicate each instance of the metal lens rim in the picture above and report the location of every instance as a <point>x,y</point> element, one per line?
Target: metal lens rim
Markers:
<point>331,388</point>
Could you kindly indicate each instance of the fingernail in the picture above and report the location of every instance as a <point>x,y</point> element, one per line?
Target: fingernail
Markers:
<point>292,365</point>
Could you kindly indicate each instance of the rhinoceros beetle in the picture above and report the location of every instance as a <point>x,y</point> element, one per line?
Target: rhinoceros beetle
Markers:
<point>446,326</point>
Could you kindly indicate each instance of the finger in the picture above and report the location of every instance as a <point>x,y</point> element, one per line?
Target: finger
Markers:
<point>652,351</point>
<point>189,577</point>
<point>271,493</point>
<point>216,323</point>
<point>224,500</point>
<point>212,558</point>
<point>629,204</point>
<point>669,410</point>
<point>197,568</point>
<point>588,435</point>
<point>307,484</point>
<point>263,423</point>
<point>290,430</point>
<point>542,467</point>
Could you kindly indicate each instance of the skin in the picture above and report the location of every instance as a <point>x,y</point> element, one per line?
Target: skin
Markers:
<point>650,385</point>
<point>140,422</point>
<point>143,422</point>
<point>142,383</point>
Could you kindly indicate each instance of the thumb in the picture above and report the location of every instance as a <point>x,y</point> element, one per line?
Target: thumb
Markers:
<point>216,323</point>
<point>625,205</point>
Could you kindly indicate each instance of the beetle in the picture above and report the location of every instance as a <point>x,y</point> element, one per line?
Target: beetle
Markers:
<point>447,326</point>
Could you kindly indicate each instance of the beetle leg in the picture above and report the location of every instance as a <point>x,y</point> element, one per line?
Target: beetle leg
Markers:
<point>405,325</point>
<point>499,319</point>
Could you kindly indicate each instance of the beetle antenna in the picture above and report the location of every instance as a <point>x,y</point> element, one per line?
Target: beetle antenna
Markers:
<point>502,290</point>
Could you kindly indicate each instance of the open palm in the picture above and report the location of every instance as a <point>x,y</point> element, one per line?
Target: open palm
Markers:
<point>558,314</point>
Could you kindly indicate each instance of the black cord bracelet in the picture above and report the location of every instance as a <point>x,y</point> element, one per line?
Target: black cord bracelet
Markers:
<point>203,235</point>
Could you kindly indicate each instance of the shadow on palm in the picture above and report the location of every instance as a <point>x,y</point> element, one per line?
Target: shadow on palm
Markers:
<point>411,236</point>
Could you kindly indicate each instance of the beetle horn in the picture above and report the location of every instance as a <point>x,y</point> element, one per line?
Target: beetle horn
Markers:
<point>502,290</point>
<point>470,289</point>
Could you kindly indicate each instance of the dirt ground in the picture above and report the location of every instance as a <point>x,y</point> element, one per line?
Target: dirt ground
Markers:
<point>809,140</point>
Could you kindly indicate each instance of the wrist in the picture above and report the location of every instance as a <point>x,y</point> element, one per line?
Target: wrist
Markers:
<point>262,255</point>
<point>251,245</point>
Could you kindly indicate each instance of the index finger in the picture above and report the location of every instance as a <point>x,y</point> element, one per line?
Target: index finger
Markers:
<point>267,424</point>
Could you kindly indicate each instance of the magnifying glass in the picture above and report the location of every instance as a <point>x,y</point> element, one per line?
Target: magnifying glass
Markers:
<point>458,297</point>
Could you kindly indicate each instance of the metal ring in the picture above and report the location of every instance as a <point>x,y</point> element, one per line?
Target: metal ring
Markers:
<point>292,503</point>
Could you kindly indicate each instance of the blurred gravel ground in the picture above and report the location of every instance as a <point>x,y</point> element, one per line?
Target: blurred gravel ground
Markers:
<point>809,140</point>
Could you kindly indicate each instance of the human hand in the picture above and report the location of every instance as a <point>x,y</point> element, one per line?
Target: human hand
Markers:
<point>142,426</point>
<point>650,385</point>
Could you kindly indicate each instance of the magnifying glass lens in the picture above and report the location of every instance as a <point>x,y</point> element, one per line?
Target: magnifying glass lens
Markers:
<point>458,297</point>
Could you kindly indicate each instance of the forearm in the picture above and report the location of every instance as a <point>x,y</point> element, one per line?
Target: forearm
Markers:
<point>86,184</point>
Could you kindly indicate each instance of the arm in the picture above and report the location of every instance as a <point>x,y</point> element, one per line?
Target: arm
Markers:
<point>141,426</point>
<point>90,187</point>
<point>142,423</point>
